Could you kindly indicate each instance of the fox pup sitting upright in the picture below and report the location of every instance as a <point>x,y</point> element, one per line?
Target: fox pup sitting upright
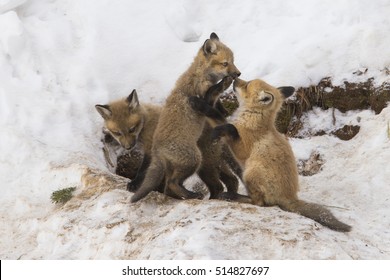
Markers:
<point>175,152</point>
<point>270,171</point>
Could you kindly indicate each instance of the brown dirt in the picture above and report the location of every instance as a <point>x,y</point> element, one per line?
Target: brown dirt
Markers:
<point>350,96</point>
<point>347,132</point>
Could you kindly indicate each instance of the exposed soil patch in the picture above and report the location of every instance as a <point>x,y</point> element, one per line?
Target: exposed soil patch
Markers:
<point>347,132</point>
<point>350,96</point>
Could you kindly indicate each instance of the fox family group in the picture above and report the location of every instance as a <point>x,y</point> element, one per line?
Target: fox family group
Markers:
<point>190,134</point>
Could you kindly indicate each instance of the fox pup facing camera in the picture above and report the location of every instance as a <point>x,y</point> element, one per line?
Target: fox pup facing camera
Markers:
<point>175,152</point>
<point>270,172</point>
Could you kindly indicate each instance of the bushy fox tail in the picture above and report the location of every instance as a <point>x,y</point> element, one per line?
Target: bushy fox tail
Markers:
<point>153,178</point>
<point>315,212</point>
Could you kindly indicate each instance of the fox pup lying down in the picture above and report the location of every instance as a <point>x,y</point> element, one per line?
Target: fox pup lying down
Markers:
<point>270,172</point>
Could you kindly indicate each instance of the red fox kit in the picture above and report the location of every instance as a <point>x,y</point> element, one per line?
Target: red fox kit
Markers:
<point>175,153</point>
<point>270,171</point>
<point>132,123</point>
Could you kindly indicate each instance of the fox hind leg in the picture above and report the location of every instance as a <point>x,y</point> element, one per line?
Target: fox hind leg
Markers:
<point>228,178</point>
<point>177,174</point>
<point>230,196</point>
<point>210,176</point>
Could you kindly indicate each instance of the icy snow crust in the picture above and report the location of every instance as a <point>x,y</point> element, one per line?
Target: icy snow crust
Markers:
<point>60,58</point>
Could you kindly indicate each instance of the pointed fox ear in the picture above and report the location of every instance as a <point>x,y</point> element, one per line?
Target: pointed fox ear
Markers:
<point>214,36</point>
<point>286,91</point>
<point>132,99</point>
<point>104,111</point>
<point>209,47</point>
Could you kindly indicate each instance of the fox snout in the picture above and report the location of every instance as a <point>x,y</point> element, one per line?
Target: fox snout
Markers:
<point>234,72</point>
<point>129,144</point>
<point>235,75</point>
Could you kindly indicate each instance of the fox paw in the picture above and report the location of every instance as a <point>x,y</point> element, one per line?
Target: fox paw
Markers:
<point>225,130</point>
<point>197,103</point>
<point>132,186</point>
<point>233,196</point>
<point>228,196</point>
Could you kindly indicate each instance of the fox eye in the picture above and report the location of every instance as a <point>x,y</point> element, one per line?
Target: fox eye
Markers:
<point>131,130</point>
<point>225,64</point>
<point>116,133</point>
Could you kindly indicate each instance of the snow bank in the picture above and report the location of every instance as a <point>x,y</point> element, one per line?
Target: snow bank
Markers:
<point>59,58</point>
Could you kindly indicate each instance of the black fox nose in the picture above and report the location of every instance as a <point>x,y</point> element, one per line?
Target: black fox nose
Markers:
<point>236,75</point>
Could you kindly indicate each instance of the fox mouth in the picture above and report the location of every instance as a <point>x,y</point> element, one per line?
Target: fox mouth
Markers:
<point>131,146</point>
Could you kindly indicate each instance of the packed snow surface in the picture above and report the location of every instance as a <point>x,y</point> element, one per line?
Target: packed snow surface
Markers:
<point>60,58</point>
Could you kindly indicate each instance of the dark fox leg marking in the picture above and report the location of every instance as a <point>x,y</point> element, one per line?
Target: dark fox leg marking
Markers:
<point>139,178</point>
<point>209,105</point>
<point>231,161</point>
<point>225,130</point>
<point>229,180</point>
<point>230,196</point>
<point>199,105</point>
<point>211,179</point>
<point>214,91</point>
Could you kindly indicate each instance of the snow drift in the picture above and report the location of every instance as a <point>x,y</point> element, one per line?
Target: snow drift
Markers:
<point>60,58</point>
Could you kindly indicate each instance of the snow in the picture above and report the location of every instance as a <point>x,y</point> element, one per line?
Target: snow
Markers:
<point>60,58</point>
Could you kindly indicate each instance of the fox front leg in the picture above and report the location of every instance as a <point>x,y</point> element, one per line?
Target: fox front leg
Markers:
<point>214,91</point>
<point>199,105</point>
<point>225,130</point>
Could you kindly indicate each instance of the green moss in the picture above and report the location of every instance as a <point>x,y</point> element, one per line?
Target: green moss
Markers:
<point>230,105</point>
<point>63,195</point>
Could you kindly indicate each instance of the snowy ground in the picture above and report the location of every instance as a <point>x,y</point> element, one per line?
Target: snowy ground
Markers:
<point>60,58</point>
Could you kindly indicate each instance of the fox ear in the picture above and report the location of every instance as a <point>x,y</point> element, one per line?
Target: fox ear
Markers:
<point>209,47</point>
<point>104,111</point>
<point>214,36</point>
<point>286,91</point>
<point>132,99</point>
